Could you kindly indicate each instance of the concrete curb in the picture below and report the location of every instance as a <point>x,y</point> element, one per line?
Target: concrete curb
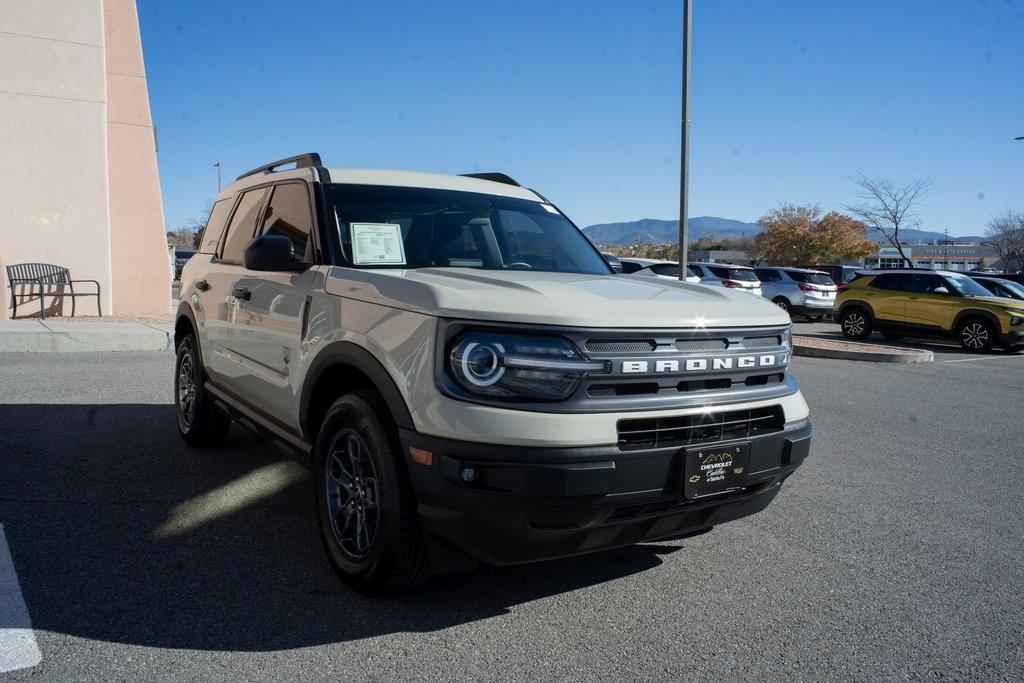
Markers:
<point>39,336</point>
<point>916,356</point>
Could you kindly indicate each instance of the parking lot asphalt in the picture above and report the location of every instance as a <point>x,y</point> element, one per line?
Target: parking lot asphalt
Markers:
<point>895,552</point>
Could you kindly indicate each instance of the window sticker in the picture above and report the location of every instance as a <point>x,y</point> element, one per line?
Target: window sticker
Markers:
<point>550,209</point>
<point>377,244</point>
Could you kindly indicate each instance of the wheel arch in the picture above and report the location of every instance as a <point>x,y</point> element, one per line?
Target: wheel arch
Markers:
<point>340,368</point>
<point>858,303</point>
<point>184,325</point>
<point>977,313</point>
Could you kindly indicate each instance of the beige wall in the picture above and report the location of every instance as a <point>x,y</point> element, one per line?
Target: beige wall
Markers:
<point>138,245</point>
<point>73,102</point>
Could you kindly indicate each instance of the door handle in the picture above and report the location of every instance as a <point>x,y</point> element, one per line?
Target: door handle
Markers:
<point>242,293</point>
<point>202,285</point>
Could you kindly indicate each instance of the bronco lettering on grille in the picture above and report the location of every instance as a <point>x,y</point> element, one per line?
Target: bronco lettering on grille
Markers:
<point>703,364</point>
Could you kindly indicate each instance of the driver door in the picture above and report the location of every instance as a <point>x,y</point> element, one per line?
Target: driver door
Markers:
<point>931,302</point>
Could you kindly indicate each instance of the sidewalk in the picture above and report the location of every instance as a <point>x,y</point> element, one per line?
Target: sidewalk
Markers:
<point>68,336</point>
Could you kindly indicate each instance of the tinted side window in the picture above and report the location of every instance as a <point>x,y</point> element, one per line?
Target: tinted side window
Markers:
<point>214,227</point>
<point>289,214</point>
<point>719,272</point>
<point>892,281</point>
<point>242,225</point>
<point>767,275</point>
<point>926,284</point>
<point>630,267</point>
<point>669,269</point>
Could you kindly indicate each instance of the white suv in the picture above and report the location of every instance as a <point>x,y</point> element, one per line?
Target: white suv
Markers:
<point>467,378</point>
<point>726,275</point>
<point>798,291</point>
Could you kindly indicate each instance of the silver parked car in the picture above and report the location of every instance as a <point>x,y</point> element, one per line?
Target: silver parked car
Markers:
<point>810,293</point>
<point>729,276</point>
<point>649,267</point>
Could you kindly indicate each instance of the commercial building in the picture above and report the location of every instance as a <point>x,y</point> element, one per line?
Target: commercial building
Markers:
<point>79,185</point>
<point>957,257</point>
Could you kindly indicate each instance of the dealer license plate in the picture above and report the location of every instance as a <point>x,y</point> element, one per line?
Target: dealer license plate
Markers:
<point>715,469</point>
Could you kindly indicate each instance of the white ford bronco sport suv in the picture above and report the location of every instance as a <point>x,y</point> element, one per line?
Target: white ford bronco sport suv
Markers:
<point>468,379</point>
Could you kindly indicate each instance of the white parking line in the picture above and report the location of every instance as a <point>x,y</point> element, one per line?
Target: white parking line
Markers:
<point>18,648</point>
<point>972,360</point>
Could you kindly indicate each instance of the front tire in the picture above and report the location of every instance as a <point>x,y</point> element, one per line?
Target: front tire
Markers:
<point>364,499</point>
<point>855,323</point>
<point>976,335</point>
<point>200,423</point>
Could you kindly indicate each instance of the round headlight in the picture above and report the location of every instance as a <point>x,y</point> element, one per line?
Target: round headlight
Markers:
<point>481,363</point>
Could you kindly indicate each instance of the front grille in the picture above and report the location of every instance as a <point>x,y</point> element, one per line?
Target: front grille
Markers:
<point>686,430</point>
<point>621,345</point>
<point>702,344</point>
<point>762,342</point>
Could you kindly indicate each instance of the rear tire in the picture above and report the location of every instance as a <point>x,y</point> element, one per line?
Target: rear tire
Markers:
<point>364,499</point>
<point>855,323</point>
<point>200,423</point>
<point>815,318</point>
<point>976,335</point>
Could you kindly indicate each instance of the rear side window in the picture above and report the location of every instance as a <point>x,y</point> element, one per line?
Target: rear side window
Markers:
<point>766,275</point>
<point>630,267</point>
<point>810,278</point>
<point>741,274</point>
<point>289,214</point>
<point>214,227</point>
<point>892,281</point>
<point>242,226</point>
<point>669,269</point>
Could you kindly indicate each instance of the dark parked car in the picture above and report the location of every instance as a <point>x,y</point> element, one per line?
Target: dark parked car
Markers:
<point>1001,287</point>
<point>181,257</point>
<point>1012,277</point>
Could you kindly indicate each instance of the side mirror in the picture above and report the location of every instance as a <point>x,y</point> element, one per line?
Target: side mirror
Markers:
<point>940,290</point>
<point>273,253</point>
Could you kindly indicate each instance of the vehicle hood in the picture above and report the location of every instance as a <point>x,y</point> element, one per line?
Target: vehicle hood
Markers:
<point>999,301</point>
<point>569,299</point>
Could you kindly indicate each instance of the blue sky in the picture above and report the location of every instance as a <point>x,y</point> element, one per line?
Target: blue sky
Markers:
<point>581,99</point>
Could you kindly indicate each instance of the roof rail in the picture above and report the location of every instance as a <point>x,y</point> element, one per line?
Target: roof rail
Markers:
<point>493,177</point>
<point>311,159</point>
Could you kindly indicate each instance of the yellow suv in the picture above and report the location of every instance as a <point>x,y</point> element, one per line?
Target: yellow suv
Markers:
<point>929,303</point>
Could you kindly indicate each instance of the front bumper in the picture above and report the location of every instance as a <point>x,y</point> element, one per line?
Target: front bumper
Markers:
<point>526,504</point>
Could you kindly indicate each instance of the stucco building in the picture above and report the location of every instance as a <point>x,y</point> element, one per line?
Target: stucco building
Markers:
<point>78,183</point>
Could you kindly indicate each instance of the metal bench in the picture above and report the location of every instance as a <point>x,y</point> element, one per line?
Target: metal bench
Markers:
<point>49,280</point>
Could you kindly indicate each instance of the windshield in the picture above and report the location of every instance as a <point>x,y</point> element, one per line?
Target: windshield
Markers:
<point>811,278</point>
<point>742,274</point>
<point>965,286</point>
<point>408,227</point>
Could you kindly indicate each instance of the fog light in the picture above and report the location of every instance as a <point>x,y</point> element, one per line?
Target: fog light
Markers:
<point>468,474</point>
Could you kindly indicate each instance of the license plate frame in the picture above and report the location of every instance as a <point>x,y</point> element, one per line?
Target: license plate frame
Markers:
<point>715,469</point>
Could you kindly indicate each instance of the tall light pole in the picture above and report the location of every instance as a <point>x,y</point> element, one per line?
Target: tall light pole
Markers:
<point>218,176</point>
<point>684,151</point>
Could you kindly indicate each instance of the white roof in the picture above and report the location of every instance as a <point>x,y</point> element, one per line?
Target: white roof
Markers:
<point>718,265</point>
<point>646,261</point>
<point>377,176</point>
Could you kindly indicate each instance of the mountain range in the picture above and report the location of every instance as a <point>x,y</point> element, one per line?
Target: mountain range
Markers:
<point>656,231</point>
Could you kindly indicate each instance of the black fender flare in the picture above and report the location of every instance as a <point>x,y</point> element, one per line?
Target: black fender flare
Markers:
<point>860,303</point>
<point>185,311</point>
<point>978,313</point>
<point>347,353</point>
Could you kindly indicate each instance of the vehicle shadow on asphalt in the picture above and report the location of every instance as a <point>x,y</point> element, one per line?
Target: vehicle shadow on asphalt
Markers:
<point>121,533</point>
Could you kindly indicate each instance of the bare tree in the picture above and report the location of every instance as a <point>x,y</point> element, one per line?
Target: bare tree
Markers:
<point>1005,234</point>
<point>890,208</point>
